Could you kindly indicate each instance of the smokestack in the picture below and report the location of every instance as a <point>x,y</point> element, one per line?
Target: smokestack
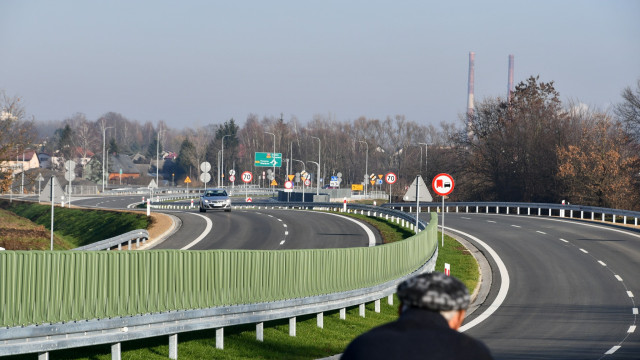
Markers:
<point>510,84</point>
<point>472,56</point>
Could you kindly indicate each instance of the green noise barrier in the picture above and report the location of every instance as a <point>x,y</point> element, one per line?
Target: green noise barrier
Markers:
<point>40,287</point>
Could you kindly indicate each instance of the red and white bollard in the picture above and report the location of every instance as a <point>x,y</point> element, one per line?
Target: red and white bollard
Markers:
<point>148,207</point>
<point>143,199</point>
<point>344,205</point>
<point>447,269</point>
<point>191,204</point>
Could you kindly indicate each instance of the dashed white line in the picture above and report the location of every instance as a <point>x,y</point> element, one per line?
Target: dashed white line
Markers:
<point>584,251</point>
<point>601,263</point>
<point>632,328</point>
<point>281,242</point>
<point>564,240</point>
<point>618,277</point>
<point>491,221</point>
<point>541,232</point>
<point>466,218</point>
<point>612,350</point>
<point>285,225</point>
<point>516,226</point>
<point>286,233</point>
<point>630,294</point>
<point>635,311</point>
<point>280,220</point>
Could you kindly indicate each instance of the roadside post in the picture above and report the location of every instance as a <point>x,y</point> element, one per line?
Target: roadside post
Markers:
<point>443,185</point>
<point>148,207</point>
<point>391,178</point>
<point>247,176</point>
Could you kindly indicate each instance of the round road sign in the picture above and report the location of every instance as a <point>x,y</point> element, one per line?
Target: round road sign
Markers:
<point>247,176</point>
<point>232,172</point>
<point>288,185</point>
<point>232,178</point>
<point>307,182</point>
<point>443,184</point>
<point>205,166</point>
<point>391,178</point>
<point>205,177</point>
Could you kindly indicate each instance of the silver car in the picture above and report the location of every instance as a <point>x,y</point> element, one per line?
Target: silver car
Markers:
<point>215,199</point>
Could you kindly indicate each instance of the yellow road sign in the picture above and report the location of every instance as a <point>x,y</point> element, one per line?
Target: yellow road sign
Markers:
<point>187,180</point>
<point>274,183</point>
<point>357,187</point>
<point>291,177</point>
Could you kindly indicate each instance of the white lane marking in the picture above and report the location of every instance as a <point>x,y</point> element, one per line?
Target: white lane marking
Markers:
<point>285,225</point>
<point>466,218</point>
<point>541,232</point>
<point>281,242</point>
<point>269,215</point>
<point>612,350</point>
<point>491,221</point>
<point>584,251</point>
<point>635,311</point>
<point>632,328</point>
<point>516,226</point>
<point>564,240</point>
<point>601,263</point>
<point>504,283</point>
<point>618,277</point>
<point>286,233</point>
<point>280,220</point>
<point>204,233</point>
<point>630,294</point>
<point>370,235</point>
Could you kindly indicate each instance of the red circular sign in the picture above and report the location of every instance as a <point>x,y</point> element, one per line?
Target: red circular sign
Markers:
<point>247,176</point>
<point>232,178</point>
<point>443,184</point>
<point>307,182</point>
<point>391,178</point>
<point>288,185</point>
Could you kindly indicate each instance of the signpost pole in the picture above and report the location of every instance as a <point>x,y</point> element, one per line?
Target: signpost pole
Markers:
<point>417,203</point>
<point>442,223</point>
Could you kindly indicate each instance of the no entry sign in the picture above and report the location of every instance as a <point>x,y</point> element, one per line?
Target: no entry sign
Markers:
<point>443,184</point>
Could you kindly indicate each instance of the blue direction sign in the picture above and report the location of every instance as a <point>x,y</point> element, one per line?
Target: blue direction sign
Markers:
<point>268,159</point>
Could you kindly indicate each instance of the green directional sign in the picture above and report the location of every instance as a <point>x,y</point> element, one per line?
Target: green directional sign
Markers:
<point>268,159</point>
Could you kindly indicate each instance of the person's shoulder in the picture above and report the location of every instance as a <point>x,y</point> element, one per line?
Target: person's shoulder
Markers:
<point>472,347</point>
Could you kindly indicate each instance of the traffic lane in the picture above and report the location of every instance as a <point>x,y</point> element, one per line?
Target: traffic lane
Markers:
<point>192,226</point>
<point>552,309</point>
<point>241,229</point>
<point>106,202</point>
<point>318,230</point>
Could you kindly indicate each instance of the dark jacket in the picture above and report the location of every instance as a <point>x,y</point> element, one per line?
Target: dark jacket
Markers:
<point>417,334</point>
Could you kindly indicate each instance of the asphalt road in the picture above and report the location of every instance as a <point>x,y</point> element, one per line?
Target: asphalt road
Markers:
<point>571,285</point>
<point>571,292</point>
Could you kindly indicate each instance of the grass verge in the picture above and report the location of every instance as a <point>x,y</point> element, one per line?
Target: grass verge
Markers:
<point>77,227</point>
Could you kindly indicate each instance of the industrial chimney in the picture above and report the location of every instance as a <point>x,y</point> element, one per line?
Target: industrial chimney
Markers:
<point>470,96</point>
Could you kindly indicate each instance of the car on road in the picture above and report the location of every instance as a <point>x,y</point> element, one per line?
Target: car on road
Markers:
<point>215,199</point>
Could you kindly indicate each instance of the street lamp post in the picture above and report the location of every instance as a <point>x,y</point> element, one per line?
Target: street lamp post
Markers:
<point>366,167</point>
<point>426,170</point>
<point>104,143</point>
<point>318,181</point>
<point>158,158</point>
<point>274,151</point>
<point>222,170</point>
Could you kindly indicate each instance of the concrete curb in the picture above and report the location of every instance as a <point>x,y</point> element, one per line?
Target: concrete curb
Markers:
<point>176,224</point>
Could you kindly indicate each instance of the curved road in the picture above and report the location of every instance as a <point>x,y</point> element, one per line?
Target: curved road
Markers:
<point>572,287</point>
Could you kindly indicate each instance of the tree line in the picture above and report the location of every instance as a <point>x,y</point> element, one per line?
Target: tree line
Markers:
<point>530,147</point>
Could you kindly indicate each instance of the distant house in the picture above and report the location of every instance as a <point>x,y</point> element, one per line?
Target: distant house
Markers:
<point>20,161</point>
<point>122,167</point>
<point>82,156</point>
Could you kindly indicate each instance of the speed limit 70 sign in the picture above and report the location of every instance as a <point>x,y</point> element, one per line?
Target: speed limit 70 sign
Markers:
<point>247,176</point>
<point>391,178</point>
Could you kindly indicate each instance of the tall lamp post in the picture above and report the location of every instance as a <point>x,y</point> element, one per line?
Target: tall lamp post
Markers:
<point>426,170</point>
<point>274,151</point>
<point>318,182</point>
<point>317,164</point>
<point>104,144</point>
<point>222,170</point>
<point>158,158</point>
<point>366,167</point>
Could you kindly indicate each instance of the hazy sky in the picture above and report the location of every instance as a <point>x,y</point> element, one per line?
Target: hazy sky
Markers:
<point>192,63</point>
